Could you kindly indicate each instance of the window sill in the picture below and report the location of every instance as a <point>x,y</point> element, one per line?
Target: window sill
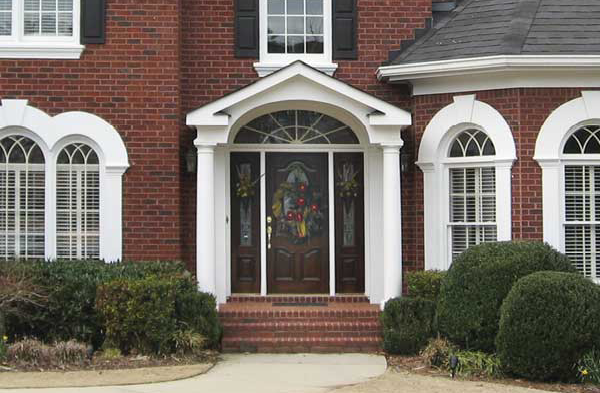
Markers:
<point>41,50</point>
<point>264,68</point>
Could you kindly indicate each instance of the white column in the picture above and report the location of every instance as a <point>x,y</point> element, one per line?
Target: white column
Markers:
<point>111,214</point>
<point>205,219</point>
<point>552,201</point>
<point>392,223</point>
<point>504,199</point>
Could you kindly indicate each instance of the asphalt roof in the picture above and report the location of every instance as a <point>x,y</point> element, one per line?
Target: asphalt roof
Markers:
<point>509,27</point>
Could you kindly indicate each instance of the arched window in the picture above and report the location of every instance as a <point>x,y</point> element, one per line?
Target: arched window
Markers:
<point>77,203</point>
<point>296,127</point>
<point>472,210</point>
<point>22,199</point>
<point>582,200</point>
<point>568,151</point>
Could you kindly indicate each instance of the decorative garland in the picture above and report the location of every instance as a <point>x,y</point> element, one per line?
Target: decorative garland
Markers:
<point>296,207</point>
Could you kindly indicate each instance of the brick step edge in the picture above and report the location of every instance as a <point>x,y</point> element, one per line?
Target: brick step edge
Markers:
<point>307,314</point>
<point>299,299</point>
<point>293,326</point>
<point>244,335</point>
<point>300,345</point>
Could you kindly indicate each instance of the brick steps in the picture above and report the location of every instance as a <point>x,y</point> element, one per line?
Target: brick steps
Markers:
<point>298,299</point>
<point>348,325</point>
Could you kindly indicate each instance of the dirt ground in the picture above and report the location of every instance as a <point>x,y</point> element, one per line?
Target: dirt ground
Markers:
<point>54,379</point>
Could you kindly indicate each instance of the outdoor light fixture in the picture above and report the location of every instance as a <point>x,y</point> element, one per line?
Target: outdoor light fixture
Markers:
<point>453,365</point>
<point>405,162</point>
<point>191,160</point>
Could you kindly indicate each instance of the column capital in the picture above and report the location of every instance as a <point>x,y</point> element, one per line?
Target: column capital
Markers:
<point>391,148</point>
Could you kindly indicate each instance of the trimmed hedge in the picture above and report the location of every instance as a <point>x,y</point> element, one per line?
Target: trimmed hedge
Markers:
<point>471,295</point>
<point>407,324</point>
<point>549,320</point>
<point>69,312</point>
<point>425,284</point>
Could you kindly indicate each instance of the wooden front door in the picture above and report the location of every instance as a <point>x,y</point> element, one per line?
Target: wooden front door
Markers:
<point>298,219</point>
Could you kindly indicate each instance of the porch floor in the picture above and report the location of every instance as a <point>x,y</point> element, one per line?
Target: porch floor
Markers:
<point>294,324</point>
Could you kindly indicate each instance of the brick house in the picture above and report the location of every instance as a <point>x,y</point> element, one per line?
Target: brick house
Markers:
<point>298,146</point>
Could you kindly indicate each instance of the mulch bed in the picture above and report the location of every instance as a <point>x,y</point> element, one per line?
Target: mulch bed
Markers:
<point>98,363</point>
<point>416,365</point>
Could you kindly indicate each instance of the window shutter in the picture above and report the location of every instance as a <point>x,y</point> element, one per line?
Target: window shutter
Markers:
<point>246,28</point>
<point>344,29</point>
<point>93,21</point>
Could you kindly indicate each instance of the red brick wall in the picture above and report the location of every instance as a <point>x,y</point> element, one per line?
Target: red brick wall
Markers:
<point>132,81</point>
<point>525,110</point>
<point>210,70</point>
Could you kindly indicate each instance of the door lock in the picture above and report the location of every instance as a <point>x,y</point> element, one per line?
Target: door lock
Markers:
<point>269,231</point>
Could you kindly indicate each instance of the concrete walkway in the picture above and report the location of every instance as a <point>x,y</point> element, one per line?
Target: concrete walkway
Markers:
<point>302,373</point>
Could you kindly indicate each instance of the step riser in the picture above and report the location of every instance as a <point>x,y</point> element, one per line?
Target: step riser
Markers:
<point>302,327</point>
<point>298,299</point>
<point>303,335</point>
<point>301,349</point>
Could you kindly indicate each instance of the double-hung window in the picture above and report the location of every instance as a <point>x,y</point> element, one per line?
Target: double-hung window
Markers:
<point>40,28</point>
<point>472,194</point>
<point>581,174</point>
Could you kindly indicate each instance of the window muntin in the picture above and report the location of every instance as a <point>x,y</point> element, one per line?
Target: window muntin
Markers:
<point>472,199</point>
<point>22,199</point>
<point>48,18</point>
<point>296,127</point>
<point>585,140</point>
<point>295,26</point>
<point>77,203</point>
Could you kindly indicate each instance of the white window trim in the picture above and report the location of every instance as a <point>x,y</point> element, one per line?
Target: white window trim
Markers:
<point>549,146</point>
<point>271,62</point>
<point>464,114</point>
<point>19,46</point>
<point>52,134</point>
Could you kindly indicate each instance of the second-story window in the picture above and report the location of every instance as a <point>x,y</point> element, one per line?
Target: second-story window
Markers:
<point>48,18</point>
<point>295,26</point>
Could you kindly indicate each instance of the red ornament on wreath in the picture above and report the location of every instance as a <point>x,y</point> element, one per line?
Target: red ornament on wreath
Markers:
<point>301,201</point>
<point>314,207</point>
<point>290,216</point>
<point>299,217</point>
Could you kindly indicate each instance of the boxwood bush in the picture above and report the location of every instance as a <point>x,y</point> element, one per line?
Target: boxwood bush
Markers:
<point>472,292</point>
<point>407,324</point>
<point>549,320</point>
<point>69,311</point>
<point>425,283</point>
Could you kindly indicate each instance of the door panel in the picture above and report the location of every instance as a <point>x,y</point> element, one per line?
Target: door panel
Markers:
<point>298,205</point>
<point>245,222</point>
<point>350,223</point>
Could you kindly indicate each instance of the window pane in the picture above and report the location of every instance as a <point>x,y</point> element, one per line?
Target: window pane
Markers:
<point>32,5</point>
<point>65,24</point>
<point>65,5</point>
<point>295,44</point>
<point>295,25</point>
<point>295,7</point>
<point>314,7</point>
<point>49,23</point>
<point>276,7</point>
<point>5,23</point>
<point>314,25</point>
<point>314,44</point>
<point>276,25</point>
<point>32,23</point>
<point>276,44</point>
<point>48,5</point>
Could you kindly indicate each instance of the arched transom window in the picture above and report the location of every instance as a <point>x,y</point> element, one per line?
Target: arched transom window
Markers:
<point>296,127</point>
<point>77,203</point>
<point>22,199</point>
<point>472,192</point>
<point>582,200</point>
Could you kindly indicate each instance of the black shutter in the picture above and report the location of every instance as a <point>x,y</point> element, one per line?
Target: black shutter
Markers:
<point>344,29</point>
<point>93,21</point>
<point>246,28</point>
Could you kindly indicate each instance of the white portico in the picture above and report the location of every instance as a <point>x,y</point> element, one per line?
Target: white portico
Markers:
<point>377,126</point>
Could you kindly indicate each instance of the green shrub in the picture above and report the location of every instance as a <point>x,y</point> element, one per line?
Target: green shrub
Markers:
<point>197,311</point>
<point>425,283</point>
<point>479,279</point>
<point>407,324</point>
<point>588,367</point>
<point>480,364</point>
<point>3,347</point>
<point>139,314</point>
<point>549,320</point>
<point>70,286</point>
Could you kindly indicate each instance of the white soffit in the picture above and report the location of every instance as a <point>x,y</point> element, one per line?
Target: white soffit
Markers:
<point>496,72</point>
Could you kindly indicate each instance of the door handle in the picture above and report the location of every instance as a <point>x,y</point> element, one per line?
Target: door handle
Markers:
<point>269,231</point>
